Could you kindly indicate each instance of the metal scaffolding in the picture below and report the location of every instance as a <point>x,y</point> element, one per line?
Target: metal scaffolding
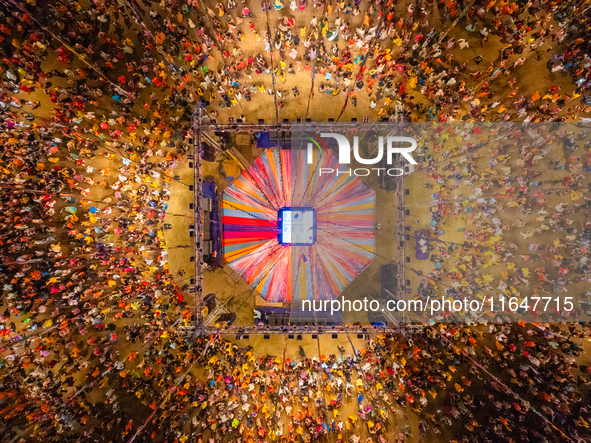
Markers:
<point>288,126</point>
<point>198,217</point>
<point>202,125</point>
<point>303,330</point>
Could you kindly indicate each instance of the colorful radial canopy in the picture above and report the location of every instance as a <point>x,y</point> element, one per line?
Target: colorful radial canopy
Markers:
<point>294,233</point>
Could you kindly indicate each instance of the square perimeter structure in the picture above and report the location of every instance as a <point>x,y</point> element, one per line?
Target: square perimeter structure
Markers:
<point>297,226</point>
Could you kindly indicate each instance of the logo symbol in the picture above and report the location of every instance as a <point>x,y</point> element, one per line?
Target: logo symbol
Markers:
<point>392,147</point>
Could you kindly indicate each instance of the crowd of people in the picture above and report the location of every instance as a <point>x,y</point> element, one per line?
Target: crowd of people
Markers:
<point>162,58</point>
<point>525,387</point>
<point>96,101</point>
<point>510,215</point>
